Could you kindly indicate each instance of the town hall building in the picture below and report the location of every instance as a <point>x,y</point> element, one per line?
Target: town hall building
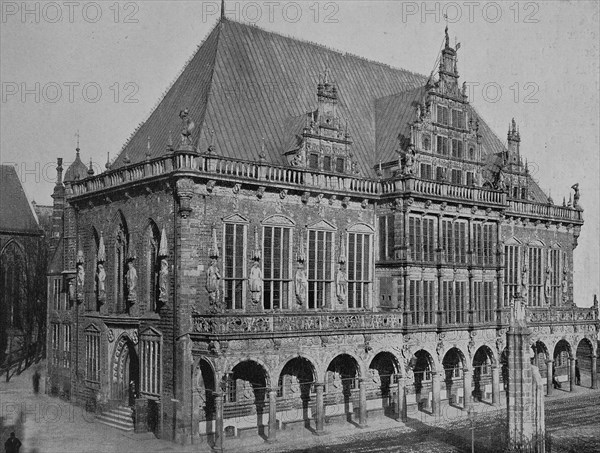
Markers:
<point>297,235</point>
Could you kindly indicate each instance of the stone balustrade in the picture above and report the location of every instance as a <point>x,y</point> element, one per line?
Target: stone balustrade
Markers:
<point>436,189</point>
<point>544,211</point>
<point>281,323</point>
<point>217,167</point>
<point>225,168</point>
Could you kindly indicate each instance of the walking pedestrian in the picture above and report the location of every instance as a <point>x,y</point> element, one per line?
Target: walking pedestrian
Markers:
<point>12,444</point>
<point>577,374</point>
<point>36,381</point>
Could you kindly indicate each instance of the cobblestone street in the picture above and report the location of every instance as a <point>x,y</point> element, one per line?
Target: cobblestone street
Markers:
<point>48,425</point>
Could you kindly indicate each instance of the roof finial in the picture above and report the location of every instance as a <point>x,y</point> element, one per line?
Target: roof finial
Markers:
<point>222,9</point>
<point>91,168</point>
<point>107,165</point>
<point>77,135</point>
<point>446,32</point>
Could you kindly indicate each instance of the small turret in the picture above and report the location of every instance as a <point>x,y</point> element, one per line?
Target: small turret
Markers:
<point>514,139</point>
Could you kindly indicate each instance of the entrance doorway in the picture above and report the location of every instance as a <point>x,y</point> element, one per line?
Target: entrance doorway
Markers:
<point>126,373</point>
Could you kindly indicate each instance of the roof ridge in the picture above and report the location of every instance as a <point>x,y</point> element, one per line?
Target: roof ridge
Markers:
<point>201,122</point>
<point>323,46</point>
<point>165,93</point>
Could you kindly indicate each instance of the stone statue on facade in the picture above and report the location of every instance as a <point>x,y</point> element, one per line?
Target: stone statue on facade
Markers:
<point>575,187</point>
<point>341,284</point>
<point>163,281</point>
<point>213,275</point>
<point>301,284</point>
<point>131,279</point>
<point>548,284</point>
<point>100,283</point>
<point>101,272</point>
<point>187,127</point>
<point>524,281</point>
<point>163,271</point>
<point>564,287</point>
<point>80,277</point>
<point>409,161</point>
<point>255,282</point>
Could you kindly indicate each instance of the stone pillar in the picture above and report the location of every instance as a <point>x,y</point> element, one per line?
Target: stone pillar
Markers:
<point>496,384</point>
<point>525,402</point>
<point>320,419</point>
<point>594,372</point>
<point>362,410</point>
<point>549,372</point>
<point>401,401</point>
<point>467,379</point>
<point>571,374</point>
<point>436,389</point>
<point>218,446</point>
<point>272,415</point>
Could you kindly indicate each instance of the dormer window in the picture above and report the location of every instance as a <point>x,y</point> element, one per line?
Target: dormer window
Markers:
<point>458,119</point>
<point>313,161</point>
<point>457,149</point>
<point>339,165</point>
<point>426,171</point>
<point>327,163</point>
<point>426,143</point>
<point>471,153</point>
<point>442,145</point>
<point>456,176</point>
<point>442,115</point>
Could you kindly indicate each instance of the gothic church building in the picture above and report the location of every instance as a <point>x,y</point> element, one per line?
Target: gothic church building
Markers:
<point>297,235</point>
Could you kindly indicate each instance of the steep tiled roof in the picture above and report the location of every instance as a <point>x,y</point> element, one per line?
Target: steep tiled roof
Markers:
<point>248,89</point>
<point>16,214</point>
<point>246,84</point>
<point>393,115</point>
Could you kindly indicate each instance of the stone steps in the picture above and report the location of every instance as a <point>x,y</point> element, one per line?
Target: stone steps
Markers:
<point>120,417</point>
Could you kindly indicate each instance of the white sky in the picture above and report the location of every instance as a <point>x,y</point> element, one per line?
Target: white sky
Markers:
<point>544,56</point>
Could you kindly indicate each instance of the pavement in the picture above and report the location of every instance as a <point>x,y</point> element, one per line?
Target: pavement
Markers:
<point>49,425</point>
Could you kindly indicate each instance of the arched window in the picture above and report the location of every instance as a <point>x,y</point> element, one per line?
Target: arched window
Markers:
<point>12,285</point>
<point>536,273</point>
<point>359,253</point>
<point>277,260</point>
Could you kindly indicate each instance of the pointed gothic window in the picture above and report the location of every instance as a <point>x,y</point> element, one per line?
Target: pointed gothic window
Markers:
<point>276,266</point>
<point>92,353</point>
<point>535,276</point>
<point>235,261</point>
<point>386,237</point>
<point>511,273</point>
<point>150,362</point>
<point>320,275</point>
